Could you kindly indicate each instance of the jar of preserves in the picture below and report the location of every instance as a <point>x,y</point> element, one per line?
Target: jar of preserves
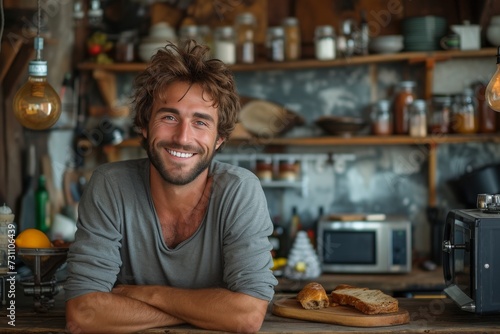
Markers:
<point>405,95</point>
<point>245,34</point>
<point>440,114</point>
<point>275,43</point>
<point>264,169</point>
<point>288,170</point>
<point>292,38</point>
<point>325,42</point>
<point>225,45</point>
<point>464,118</point>
<point>381,118</point>
<point>417,114</point>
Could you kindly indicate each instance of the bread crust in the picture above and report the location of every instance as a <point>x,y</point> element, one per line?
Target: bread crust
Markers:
<point>368,301</point>
<point>313,297</point>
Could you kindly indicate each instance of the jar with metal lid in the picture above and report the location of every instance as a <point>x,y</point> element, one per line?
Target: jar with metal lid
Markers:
<point>245,34</point>
<point>292,38</point>
<point>464,119</point>
<point>405,95</point>
<point>381,118</point>
<point>275,44</point>
<point>324,42</point>
<point>288,170</point>
<point>225,45</point>
<point>264,169</point>
<point>417,113</point>
<point>440,114</point>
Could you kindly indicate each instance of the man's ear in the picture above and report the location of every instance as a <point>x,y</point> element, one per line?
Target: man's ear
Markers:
<point>144,132</point>
<point>219,142</point>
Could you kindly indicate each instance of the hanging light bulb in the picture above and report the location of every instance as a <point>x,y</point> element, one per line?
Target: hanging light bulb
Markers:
<point>37,105</point>
<point>493,88</point>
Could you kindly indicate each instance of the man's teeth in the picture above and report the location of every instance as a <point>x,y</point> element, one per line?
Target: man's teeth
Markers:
<point>180,154</point>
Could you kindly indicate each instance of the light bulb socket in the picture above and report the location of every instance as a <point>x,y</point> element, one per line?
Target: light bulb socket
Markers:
<point>37,68</point>
<point>38,43</point>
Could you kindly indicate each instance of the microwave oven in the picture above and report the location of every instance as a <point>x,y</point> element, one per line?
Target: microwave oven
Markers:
<point>364,246</point>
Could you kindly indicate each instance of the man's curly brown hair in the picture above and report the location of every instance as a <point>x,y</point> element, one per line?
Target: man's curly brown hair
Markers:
<point>189,63</point>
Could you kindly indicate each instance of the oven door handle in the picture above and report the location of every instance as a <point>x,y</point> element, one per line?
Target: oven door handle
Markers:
<point>447,251</point>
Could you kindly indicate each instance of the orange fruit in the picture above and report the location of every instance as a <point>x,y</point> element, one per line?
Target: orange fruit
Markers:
<point>32,238</point>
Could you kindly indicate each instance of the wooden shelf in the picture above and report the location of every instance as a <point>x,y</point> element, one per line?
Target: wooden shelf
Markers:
<point>313,63</point>
<point>353,141</point>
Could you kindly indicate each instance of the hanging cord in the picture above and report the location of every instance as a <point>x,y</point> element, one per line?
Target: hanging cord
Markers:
<point>1,23</point>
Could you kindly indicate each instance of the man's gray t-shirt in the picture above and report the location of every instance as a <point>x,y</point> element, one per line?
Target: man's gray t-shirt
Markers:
<point>119,238</point>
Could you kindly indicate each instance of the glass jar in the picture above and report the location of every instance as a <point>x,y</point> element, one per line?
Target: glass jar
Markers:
<point>440,114</point>
<point>275,43</point>
<point>245,34</point>
<point>288,170</point>
<point>417,113</point>
<point>264,169</point>
<point>324,42</point>
<point>292,38</point>
<point>381,118</point>
<point>225,45</point>
<point>189,32</point>
<point>464,119</point>
<point>405,95</point>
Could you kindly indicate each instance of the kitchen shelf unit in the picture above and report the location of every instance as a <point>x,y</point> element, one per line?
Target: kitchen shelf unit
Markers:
<point>428,58</point>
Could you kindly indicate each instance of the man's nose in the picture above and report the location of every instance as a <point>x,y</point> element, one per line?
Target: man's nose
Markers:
<point>183,132</point>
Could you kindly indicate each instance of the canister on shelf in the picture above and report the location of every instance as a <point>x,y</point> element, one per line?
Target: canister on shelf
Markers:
<point>439,114</point>
<point>275,43</point>
<point>418,118</point>
<point>264,169</point>
<point>405,95</point>
<point>288,170</point>
<point>464,118</point>
<point>225,45</point>
<point>382,118</point>
<point>245,34</point>
<point>325,42</point>
<point>292,38</point>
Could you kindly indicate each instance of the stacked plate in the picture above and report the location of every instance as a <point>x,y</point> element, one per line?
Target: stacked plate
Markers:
<point>423,33</point>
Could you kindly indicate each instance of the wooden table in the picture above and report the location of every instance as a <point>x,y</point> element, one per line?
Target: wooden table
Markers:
<point>426,316</point>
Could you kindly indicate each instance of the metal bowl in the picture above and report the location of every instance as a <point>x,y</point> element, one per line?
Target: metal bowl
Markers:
<point>341,126</point>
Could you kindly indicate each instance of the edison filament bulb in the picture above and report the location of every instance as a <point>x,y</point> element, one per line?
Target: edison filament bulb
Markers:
<point>493,88</point>
<point>36,104</point>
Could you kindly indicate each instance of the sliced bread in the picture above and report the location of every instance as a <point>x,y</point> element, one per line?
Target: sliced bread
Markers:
<point>365,300</point>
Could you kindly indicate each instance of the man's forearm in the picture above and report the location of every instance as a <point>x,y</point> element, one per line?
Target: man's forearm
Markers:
<point>217,309</point>
<point>111,313</point>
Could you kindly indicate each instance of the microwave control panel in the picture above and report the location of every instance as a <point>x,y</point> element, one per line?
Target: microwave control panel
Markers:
<point>399,248</point>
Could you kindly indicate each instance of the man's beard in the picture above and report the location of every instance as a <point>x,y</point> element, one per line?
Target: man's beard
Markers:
<point>183,177</point>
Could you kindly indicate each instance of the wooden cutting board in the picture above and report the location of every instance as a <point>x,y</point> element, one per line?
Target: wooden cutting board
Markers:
<point>338,315</point>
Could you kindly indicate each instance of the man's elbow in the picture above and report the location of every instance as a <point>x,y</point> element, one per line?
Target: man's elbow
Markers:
<point>79,316</point>
<point>251,322</point>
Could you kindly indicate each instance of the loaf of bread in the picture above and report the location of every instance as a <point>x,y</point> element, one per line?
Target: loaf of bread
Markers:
<point>368,301</point>
<point>313,297</point>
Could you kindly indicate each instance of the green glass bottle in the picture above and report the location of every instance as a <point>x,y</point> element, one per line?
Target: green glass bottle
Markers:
<point>42,206</point>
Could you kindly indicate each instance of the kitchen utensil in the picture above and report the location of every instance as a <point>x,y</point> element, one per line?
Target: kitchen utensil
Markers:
<point>470,35</point>
<point>386,44</point>
<point>423,33</point>
<point>339,125</point>
<point>267,119</point>
<point>339,315</point>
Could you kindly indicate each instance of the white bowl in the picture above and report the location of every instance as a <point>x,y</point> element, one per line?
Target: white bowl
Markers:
<point>386,44</point>
<point>162,30</point>
<point>493,34</point>
<point>149,49</point>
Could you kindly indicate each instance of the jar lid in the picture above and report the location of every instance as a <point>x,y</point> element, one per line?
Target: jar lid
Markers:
<point>419,104</point>
<point>291,21</point>
<point>245,18</point>
<point>276,31</point>
<point>383,104</point>
<point>224,31</point>
<point>325,30</point>
<point>407,84</point>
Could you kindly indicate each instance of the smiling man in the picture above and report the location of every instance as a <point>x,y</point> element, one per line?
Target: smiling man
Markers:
<point>177,237</point>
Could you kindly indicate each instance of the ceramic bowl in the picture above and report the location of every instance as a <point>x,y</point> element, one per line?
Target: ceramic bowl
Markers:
<point>386,44</point>
<point>149,49</point>
<point>493,34</point>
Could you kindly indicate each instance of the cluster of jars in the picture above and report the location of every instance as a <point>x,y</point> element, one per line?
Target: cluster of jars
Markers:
<point>236,44</point>
<point>287,169</point>
<point>406,114</point>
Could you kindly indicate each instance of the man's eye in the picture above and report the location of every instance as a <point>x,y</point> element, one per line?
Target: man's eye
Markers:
<point>169,117</point>
<point>201,123</point>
